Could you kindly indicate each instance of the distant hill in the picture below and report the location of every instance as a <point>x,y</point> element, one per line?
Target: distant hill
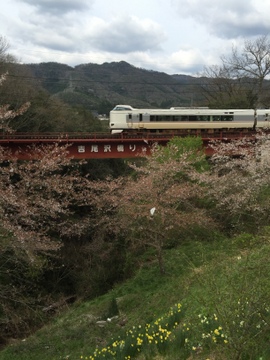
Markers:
<point>101,87</point>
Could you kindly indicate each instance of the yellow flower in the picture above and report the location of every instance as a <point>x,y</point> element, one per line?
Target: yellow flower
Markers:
<point>214,339</point>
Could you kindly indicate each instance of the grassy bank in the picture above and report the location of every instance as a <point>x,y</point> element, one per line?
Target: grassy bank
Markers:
<point>212,303</point>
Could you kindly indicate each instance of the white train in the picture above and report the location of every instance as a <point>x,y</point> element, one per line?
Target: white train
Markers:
<point>127,118</point>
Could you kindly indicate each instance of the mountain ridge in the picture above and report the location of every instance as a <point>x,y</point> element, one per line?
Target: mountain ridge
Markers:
<point>102,86</point>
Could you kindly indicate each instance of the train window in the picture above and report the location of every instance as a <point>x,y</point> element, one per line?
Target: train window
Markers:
<point>204,118</point>
<point>193,118</point>
<point>160,118</point>
<point>184,118</point>
<point>226,118</point>
<point>222,117</point>
<point>140,117</point>
<point>130,116</point>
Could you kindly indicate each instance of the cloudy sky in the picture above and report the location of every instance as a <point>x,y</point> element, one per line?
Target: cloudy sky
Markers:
<point>173,36</point>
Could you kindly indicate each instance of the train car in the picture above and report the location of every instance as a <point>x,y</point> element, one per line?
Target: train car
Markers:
<point>127,118</point>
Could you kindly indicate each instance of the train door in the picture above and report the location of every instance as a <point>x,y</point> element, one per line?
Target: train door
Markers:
<point>267,120</point>
<point>143,119</point>
<point>129,121</point>
<point>140,125</point>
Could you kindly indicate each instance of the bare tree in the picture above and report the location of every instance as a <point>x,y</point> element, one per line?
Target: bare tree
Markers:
<point>3,47</point>
<point>4,56</point>
<point>252,63</point>
<point>222,91</point>
<point>240,81</point>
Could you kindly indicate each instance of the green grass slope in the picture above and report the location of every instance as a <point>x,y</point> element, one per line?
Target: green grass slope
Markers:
<point>212,303</point>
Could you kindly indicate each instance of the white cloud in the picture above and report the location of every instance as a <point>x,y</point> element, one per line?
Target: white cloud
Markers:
<point>175,36</point>
<point>59,7</point>
<point>227,19</point>
<point>126,34</point>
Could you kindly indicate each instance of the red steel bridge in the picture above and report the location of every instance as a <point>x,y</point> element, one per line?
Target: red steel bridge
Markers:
<point>103,146</point>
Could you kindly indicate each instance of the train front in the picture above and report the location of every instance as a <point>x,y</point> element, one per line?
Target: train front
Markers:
<point>118,118</point>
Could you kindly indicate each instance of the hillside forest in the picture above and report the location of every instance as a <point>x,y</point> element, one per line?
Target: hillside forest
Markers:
<point>161,257</point>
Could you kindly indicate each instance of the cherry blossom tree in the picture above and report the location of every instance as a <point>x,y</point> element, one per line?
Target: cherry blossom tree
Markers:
<point>154,206</point>
<point>239,182</point>
<point>6,114</point>
<point>40,202</point>
<point>46,205</point>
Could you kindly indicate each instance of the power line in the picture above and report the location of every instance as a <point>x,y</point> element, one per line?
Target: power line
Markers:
<point>95,81</point>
